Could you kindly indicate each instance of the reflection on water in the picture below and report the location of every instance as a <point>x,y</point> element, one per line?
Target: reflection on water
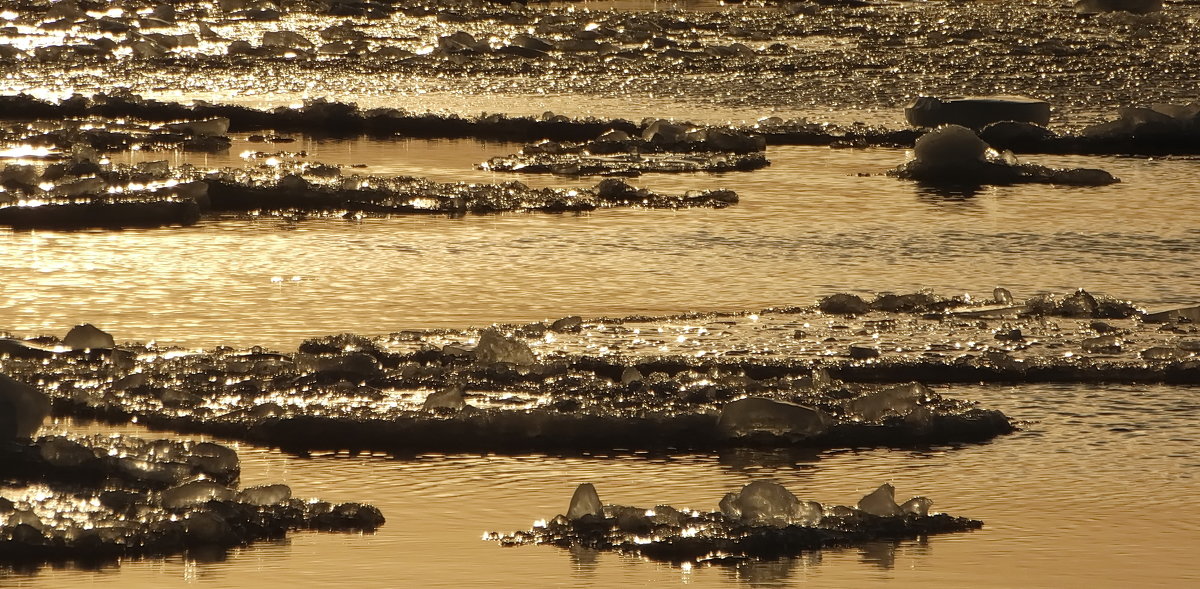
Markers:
<point>1097,489</point>
<point>808,225</point>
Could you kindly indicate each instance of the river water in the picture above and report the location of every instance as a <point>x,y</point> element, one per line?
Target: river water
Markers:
<point>1099,488</point>
<point>806,226</point>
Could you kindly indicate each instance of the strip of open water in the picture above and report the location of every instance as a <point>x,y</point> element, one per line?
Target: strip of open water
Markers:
<point>808,225</point>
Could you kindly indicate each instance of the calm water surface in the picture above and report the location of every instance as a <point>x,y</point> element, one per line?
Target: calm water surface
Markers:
<point>815,222</point>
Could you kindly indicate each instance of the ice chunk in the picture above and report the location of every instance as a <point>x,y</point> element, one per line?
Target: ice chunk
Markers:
<point>206,527</point>
<point>881,501</point>
<point>61,452</point>
<point>630,375</point>
<point>1103,344</point>
<point>265,495</point>
<point>214,127</point>
<point>976,112</point>
<point>195,493</point>
<point>755,415</point>
<point>495,347</point>
<point>286,39</point>
<point>1189,314</point>
<point>1130,6</point>
<point>22,409</point>
<point>917,506</point>
<point>448,398</point>
<point>361,364</point>
<point>898,400</point>
<point>950,145</point>
<point>843,304</point>
<point>1001,296</point>
<point>25,517</point>
<point>88,336</point>
<point>769,503</point>
<point>22,175</point>
<point>863,351</point>
<point>585,502</point>
<point>214,459</point>
<point>567,324</point>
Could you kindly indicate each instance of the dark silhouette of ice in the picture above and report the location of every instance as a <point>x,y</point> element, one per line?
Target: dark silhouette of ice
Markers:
<point>585,502</point>
<point>88,336</point>
<point>22,409</point>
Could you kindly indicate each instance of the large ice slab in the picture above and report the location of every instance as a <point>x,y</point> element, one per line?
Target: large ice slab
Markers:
<point>976,112</point>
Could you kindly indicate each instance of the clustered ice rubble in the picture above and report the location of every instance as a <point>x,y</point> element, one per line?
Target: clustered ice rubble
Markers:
<point>762,520</point>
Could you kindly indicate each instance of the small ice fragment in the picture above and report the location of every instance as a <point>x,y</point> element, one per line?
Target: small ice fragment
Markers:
<point>630,375</point>
<point>1102,344</point>
<point>843,304</point>
<point>1001,296</point>
<point>769,503</point>
<point>881,501</point>
<point>917,506</point>
<point>898,400</point>
<point>448,398</point>
<point>88,336</point>
<point>23,516</point>
<point>265,495</point>
<point>584,502</point>
<point>566,324</point>
<point>195,493</point>
<point>495,347</point>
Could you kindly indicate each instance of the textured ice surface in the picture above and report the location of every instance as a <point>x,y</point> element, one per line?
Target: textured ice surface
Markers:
<point>756,415</point>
